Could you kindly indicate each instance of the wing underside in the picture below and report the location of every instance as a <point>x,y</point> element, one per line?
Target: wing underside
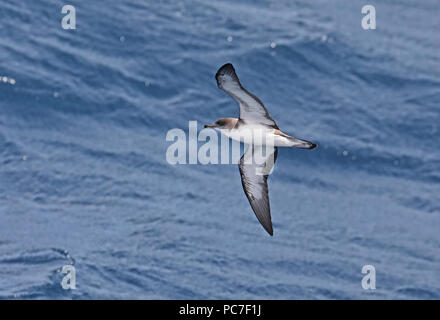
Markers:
<point>255,166</point>
<point>251,108</point>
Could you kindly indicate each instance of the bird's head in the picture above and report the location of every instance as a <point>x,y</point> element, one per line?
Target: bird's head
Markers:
<point>223,123</point>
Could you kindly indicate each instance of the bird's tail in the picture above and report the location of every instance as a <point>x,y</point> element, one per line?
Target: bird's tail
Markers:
<point>304,144</point>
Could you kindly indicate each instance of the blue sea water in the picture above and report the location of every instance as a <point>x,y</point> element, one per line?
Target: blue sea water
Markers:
<point>84,179</point>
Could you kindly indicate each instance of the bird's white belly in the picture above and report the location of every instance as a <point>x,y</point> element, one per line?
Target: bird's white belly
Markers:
<point>257,136</point>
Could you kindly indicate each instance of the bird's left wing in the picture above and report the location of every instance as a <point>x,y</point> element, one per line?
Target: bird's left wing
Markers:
<point>251,108</point>
<point>254,170</point>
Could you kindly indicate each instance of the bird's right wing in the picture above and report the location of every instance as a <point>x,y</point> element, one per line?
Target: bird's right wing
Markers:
<point>254,170</point>
<point>251,108</point>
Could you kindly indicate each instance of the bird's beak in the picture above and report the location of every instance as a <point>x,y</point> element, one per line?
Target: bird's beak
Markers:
<point>210,125</point>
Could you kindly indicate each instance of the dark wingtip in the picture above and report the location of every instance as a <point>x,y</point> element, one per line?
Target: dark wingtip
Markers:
<point>226,69</point>
<point>269,229</point>
<point>313,146</point>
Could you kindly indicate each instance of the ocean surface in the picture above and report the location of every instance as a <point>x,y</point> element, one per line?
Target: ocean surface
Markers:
<point>84,179</point>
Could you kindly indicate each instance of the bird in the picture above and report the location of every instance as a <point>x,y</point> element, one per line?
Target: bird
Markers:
<point>254,118</point>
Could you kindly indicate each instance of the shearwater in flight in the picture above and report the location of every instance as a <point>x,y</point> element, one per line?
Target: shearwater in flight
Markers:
<point>253,119</point>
